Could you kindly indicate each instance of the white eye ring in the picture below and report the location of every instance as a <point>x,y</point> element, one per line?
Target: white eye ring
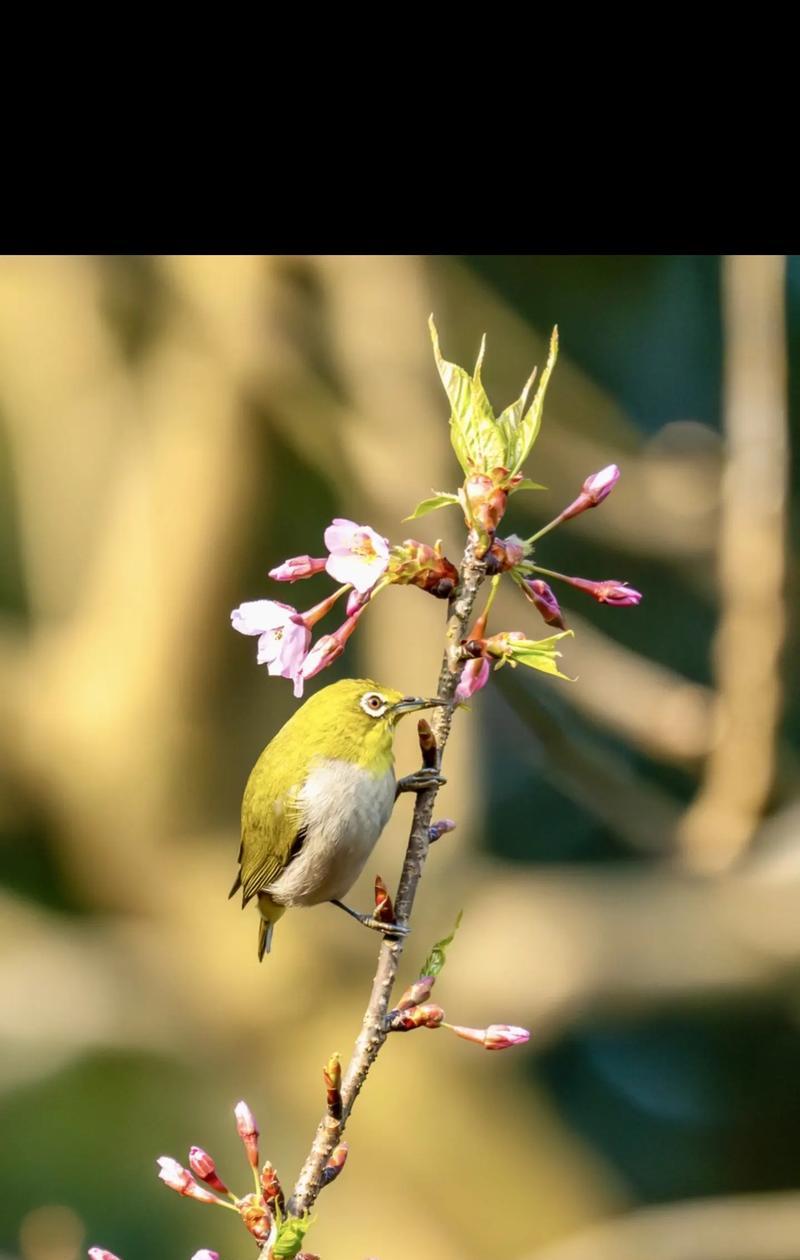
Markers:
<point>374,704</point>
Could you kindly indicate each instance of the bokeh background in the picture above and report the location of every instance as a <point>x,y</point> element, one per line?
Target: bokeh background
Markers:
<point>628,849</point>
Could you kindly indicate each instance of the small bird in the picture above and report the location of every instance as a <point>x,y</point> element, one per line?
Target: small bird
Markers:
<point>319,797</point>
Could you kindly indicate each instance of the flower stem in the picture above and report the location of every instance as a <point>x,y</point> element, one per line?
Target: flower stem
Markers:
<point>544,530</point>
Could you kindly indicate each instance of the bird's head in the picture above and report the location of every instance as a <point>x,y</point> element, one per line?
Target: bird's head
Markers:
<point>359,715</point>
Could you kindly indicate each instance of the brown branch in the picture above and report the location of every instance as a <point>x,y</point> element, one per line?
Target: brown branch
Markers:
<point>373,1029</point>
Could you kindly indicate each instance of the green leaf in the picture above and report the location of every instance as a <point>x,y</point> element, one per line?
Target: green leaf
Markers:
<point>291,1232</point>
<point>439,500</point>
<point>527,430</point>
<point>526,484</point>
<point>477,441</point>
<point>508,420</point>
<point>438,956</point>
<point>539,654</point>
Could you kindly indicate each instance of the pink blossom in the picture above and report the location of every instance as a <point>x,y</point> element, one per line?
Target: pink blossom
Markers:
<point>100,1253</point>
<point>284,637</point>
<point>247,1129</point>
<point>297,567</point>
<point>358,555</point>
<point>205,1254</point>
<point>474,676</point>
<point>495,1037</point>
<point>543,599</point>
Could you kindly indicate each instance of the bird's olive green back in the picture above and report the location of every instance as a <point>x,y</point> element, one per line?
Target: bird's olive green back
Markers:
<point>331,724</point>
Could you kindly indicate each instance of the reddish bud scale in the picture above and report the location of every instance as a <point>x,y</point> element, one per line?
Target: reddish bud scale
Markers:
<point>417,992</point>
<point>203,1166</point>
<point>427,743</point>
<point>256,1216</point>
<point>384,910</point>
<point>271,1187</point>
<point>427,1016</point>
<point>332,1075</point>
<point>503,555</point>
<point>414,563</point>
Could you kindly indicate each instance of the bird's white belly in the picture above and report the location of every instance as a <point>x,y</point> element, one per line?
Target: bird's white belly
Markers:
<point>344,809</point>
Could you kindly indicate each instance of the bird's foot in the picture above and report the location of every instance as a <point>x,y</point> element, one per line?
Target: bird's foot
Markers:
<point>394,931</point>
<point>420,781</point>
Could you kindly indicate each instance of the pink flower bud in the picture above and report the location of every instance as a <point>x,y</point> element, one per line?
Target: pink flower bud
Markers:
<point>177,1178</point>
<point>619,594</point>
<point>595,488</point>
<point>599,485</point>
<point>440,828</point>
<point>203,1166</point>
<point>247,1129</point>
<point>297,567</point>
<point>100,1253</point>
<point>329,647</point>
<point>417,992</point>
<point>205,1254</point>
<point>543,599</point>
<point>174,1174</point>
<point>495,1037</point>
<point>474,676</point>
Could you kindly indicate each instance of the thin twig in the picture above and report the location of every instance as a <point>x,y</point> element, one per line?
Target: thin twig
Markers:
<point>373,1029</point>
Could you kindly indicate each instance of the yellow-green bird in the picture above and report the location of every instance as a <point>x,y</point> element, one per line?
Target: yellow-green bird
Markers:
<point>319,797</point>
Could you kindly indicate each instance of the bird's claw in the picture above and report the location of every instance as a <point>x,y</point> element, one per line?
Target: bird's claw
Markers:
<point>420,781</point>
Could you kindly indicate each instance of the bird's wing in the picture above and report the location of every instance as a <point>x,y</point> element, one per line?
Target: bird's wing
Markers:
<point>270,829</point>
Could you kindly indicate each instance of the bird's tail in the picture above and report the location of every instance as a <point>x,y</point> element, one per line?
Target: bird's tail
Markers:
<point>270,912</point>
<point>265,931</point>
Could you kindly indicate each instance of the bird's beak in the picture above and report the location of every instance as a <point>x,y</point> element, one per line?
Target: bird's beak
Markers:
<point>410,703</point>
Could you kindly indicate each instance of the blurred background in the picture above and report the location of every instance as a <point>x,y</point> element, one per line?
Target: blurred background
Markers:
<point>628,848</point>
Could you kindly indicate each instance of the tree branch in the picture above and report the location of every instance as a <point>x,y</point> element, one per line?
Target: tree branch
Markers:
<point>373,1029</point>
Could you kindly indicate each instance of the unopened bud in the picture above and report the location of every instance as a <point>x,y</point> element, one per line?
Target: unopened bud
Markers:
<point>205,1254</point>
<point>335,1164</point>
<point>100,1253</point>
<point>427,1016</point>
<point>384,910</point>
<point>495,1037</point>
<point>440,828</point>
<point>297,567</point>
<point>417,992</point>
<point>271,1187</point>
<point>595,488</point>
<point>203,1166</point>
<point>545,602</point>
<point>247,1129</point>
<point>256,1216</point>
<point>618,594</point>
<point>427,743</point>
<point>413,563</point>
<point>177,1178</point>
<point>332,1075</point>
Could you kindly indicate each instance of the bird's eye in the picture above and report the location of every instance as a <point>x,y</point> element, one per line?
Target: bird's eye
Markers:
<point>373,704</point>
